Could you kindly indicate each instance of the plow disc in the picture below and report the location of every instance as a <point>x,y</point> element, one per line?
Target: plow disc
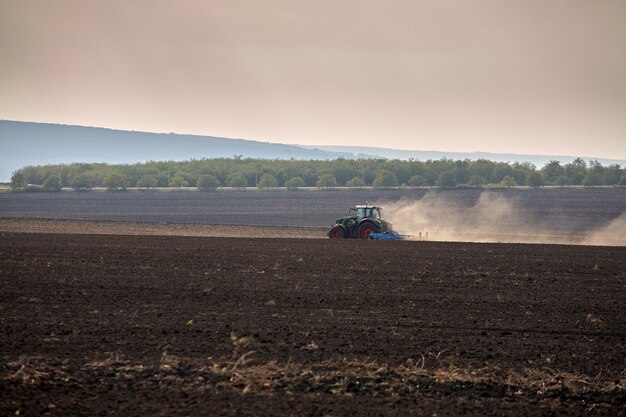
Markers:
<point>387,236</point>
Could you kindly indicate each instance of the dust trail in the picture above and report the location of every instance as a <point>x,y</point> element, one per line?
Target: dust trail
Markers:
<point>491,218</point>
<point>613,234</point>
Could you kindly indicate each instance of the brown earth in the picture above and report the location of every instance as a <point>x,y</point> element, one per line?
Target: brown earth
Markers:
<point>567,211</point>
<point>157,229</point>
<point>166,325</point>
<point>594,216</point>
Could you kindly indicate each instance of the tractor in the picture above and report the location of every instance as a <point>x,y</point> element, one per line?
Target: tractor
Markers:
<point>364,222</point>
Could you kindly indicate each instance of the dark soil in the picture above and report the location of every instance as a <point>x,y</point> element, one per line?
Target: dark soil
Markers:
<point>571,210</point>
<point>147,325</point>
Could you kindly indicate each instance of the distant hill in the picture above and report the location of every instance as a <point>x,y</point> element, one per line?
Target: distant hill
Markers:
<point>27,143</point>
<point>537,160</point>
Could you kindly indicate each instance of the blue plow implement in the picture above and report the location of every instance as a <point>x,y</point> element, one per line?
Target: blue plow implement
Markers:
<point>387,236</point>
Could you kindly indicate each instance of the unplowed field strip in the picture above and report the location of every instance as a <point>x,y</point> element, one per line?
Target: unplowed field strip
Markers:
<point>157,229</point>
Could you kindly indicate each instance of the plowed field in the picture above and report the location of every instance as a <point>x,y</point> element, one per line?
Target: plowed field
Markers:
<point>570,210</point>
<point>168,325</point>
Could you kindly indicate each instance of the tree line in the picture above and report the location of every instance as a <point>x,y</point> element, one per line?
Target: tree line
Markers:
<point>293,174</point>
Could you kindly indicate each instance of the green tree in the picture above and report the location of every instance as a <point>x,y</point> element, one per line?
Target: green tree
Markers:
<point>178,181</point>
<point>446,179</point>
<point>612,174</point>
<point>163,179</point>
<point>417,181</point>
<point>622,181</point>
<point>356,182</point>
<point>476,180</point>
<point>508,181</point>
<point>52,183</point>
<point>535,180</point>
<point>147,182</point>
<point>595,174</point>
<point>521,171</point>
<point>551,171</point>
<point>344,169</point>
<point>245,171</point>
<point>294,183</point>
<point>238,181</point>
<point>207,182</point>
<point>18,181</point>
<point>384,179</point>
<point>501,170</point>
<point>326,181</point>
<point>82,182</point>
<point>562,181</point>
<point>576,171</point>
<point>267,181</point>
<point>485,168</point>
<point>115,181</point>
<point>592,179</point>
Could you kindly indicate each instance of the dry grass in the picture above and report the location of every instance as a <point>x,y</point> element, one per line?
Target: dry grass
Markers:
<point>34,370</point>
<point>344,376</point>
<point>339,374</point>
<point>594,320</point>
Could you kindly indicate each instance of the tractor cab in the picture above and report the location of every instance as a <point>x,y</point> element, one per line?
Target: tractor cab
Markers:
<point>366,211</point>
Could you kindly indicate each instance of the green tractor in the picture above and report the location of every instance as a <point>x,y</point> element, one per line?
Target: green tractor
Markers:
<point>363,221</point>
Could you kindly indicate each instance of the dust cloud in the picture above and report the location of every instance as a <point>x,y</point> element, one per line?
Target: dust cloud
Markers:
<point>491,218</point>
<point>613,234</point>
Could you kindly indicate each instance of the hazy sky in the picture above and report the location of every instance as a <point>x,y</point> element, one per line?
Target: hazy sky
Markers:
<point>528,76</point>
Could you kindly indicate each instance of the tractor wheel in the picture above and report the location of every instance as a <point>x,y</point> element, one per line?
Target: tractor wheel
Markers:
<point>366,229</point>
<point>337,232</point>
